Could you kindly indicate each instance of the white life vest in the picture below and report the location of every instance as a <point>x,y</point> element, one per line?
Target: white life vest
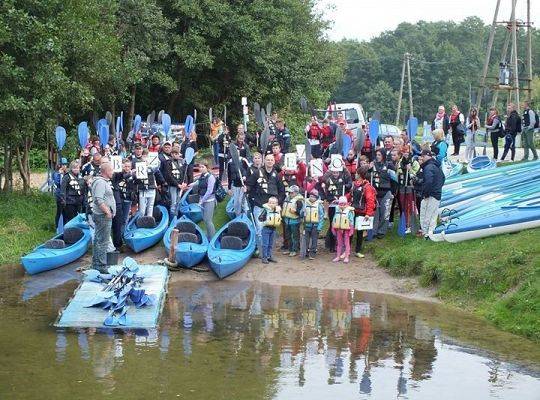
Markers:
<point>341,218</point>
<point>289,207</point>
<point>273,217</point>
<point>175,170</point>
<point>74,184</point>
<point>311,215</point>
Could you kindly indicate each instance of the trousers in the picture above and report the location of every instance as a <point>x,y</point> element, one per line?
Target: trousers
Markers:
<point>428,214</point>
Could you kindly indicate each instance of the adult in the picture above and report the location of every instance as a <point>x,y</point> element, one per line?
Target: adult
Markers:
<point>456,124</point>
<point>223,141</point>
<point>472,124</point>
<point>407,171</point>
<point>173,173</point>
<point>71,192</point>
<point>216,129</point>
<point>439,147</point>
<point>189,141</point>
<point>146,186</point>
<point>314,135</point>
<point>388,146</point>
<point>494,129</point>
<point>164,154</point>
<point>205,187</point>
<point>103,209</point>
<point>529,123</point>
<point>124,186</point>
<point>92,168</point>
<point>380,179</point>
<point>363,199</point>
<point>261,185</point>
<point>236,174</point>
<point>441,121</point>
<point>433,181</point>
<point>58,174</point>
<point>512,127</point>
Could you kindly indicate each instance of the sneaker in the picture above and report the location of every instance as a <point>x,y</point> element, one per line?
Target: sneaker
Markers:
<point>285,252</point>
<point>265,260</point>
<point>272,260</point>
<point>408,230</point>
<point>359,255</point>
<point>292,254</point>
<point>311,257</point>
<point>342,256</point>
<point>337,259</point>
<point>426,237</point>
<point>346,260</point>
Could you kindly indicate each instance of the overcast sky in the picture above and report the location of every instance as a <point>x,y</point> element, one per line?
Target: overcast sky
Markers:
<point>365,19</point>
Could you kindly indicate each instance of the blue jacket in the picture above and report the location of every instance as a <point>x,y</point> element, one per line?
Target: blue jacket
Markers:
<point>433,179</point>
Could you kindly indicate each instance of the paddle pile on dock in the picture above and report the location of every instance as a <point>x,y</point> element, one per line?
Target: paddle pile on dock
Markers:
<point>490,202</point>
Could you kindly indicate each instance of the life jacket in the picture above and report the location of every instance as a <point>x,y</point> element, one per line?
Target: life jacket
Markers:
<point>74,184</point>
<point>334,186</point>
<point>314,132</point>
<point>289,180</point>
<point>311,214</point>
<point>326,136</point>
<point>289,207</point>
<point>380,182</point>
<point>359,198</point>
<point>273,217</point>
<point>350,165</point>
<point>267,185</point>
<point>341,218</point>
<point>176,170</point>
<point>202,186</point>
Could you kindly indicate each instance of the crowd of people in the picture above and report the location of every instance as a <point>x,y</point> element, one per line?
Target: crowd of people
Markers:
<point>357,193</point>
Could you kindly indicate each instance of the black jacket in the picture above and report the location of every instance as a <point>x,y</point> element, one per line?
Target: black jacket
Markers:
<point>446,124</point>
<point>432,179</point>
<point>263,185</point>
<point>174,172</point>
<point>513,123</point>
<point>123,185</point>
<point>71,190</point>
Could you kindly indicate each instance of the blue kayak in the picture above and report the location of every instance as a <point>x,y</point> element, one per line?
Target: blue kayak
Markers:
<point>59,251</point>
<point>189,206</point>
<point>192,242</point>
<point>80,221</point>
<point>232,246</point>
<point>139,239</point>
<point>480,163</point>
<point>229,209</point>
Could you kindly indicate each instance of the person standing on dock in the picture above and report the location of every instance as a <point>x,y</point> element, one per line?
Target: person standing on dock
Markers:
<point>530,122</point>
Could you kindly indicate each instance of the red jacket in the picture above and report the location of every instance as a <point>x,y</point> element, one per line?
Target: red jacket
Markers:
<point>327,137</point>
<point>351,166</point>
<point>365,203</point>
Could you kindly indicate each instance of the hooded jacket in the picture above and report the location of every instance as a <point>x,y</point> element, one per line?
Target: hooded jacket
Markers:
<point>433,179</point>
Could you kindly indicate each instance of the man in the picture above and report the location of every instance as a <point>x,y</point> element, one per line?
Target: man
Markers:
<point>283,135</point>
<point>103,209</point>
<point>433,181</point>
<point>261,185</point>
<point>248,138</point>
<point>529,121</point>
<point>512,127</point>
<point>173,173</point>
<point>92,168</point>
<point>164,155</point>
<point>388,147</point>
<point>236,175</point>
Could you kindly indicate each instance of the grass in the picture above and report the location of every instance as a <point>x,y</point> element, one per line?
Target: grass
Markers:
<point>25,221</point>
<point>497,277</point>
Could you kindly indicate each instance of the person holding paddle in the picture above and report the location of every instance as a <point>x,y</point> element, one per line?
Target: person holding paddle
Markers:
<point>364,201</point>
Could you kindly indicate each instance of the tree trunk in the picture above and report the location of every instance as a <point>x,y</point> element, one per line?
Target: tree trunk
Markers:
<point>8,169</point>
<point>131,112</point>
<point>23,160</point>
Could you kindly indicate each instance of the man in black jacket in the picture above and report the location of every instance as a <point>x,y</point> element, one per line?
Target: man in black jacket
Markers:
<point>512,127</point>
<point>433,181</point>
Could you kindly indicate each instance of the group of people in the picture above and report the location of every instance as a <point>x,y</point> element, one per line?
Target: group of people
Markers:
<point>458,129</point>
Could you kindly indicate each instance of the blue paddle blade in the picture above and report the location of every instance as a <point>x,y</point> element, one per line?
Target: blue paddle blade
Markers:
<point>118,126</point>
<point>60,227</point>
<point>412,127</point>
<point>347,143</point>
<point>166,124</point>
<point>90,274</point>
<point>130,263</point>
<point>190,153</point>
<point>82,131</point>
<point>110,320</point>
<point>103,135</point>
<point>60,134</point>
<point>121,121</point>
<point>402,227</point>
<point>122,317</point>
<point>188,125</point>
<point>137,123</point>
<point>374,131</point>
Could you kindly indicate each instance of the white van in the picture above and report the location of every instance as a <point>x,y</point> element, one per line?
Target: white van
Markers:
<point>352,112</point>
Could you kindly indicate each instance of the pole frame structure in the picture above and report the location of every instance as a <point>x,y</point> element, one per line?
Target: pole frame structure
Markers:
<point>408,56</point>
<point>400,91</point>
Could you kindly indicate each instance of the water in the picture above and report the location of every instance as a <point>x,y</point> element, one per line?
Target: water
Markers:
<point>240,340</point>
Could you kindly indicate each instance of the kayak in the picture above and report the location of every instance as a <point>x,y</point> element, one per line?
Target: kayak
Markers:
<point>229,209</point>
<point>59,251</point>
<point>79,221</point>
<point>450,169</point>
<point>486,174</point>
<point>481,163</point>
<point>139,239</point>
<point>232,246</point>
<point>189,206</point>
<point>192,242</point>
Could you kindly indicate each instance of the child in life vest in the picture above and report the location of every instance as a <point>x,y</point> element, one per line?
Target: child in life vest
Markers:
<point>313,222</point>
<point>292,207</point>
<point>343,229</point>
<point>271,219</point>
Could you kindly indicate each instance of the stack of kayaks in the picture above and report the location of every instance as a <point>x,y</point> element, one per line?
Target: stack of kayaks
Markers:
<point>232,246</point>
<point>451,169</point>
<point>189,206</point>
<point>140,238</point>
<point>490,202</point>
<point>481,162</point>
<point>192,242</point>
<point>61,249</point>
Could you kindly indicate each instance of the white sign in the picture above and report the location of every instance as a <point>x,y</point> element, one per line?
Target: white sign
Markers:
<point>244,101</point>
<point>141,170</point>
<point>360,224</point>
<point>116,162</point>
<point>245,110</point>
<point>153,159</point>
<point>301,151</point>
<point>336,162</point>
<point>316,167</point>
<point>289,161</point>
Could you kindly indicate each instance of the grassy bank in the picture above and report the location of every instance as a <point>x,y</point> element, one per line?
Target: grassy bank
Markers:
<point>497,277</point>
<point>25,221</point>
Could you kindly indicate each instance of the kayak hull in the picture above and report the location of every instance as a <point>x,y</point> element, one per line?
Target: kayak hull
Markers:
<point>139,239</point>
<point>188,255</point>
<point>193,211</point>
<point>489,231</point>
<point>480,163</point>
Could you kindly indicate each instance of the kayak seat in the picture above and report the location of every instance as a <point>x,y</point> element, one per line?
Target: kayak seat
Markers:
<point>145,222</point>
<point>187,227</point>
<point>193,198</point>
<point>156,213</point>
<point>54,244</point>
<point>72,235</point>
<point>232,243</point>
<point>188,237</point>
<point>240,230</point>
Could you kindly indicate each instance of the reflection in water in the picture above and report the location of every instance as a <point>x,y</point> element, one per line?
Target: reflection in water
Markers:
<point>261,341</point>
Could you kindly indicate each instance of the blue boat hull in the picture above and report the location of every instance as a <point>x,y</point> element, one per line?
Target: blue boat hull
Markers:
<point>42,259</point>
<point>481,163</point>
<point>187,254</point>
<point>192,211</point>
<point>139,239</point>
<point>225,262</point>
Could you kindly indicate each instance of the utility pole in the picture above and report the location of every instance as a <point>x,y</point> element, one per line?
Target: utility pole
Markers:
<point>400,91</point>
<point>406,65</point>
<point>529,52</point>
<point>407,56</point>
<point>514,52</point>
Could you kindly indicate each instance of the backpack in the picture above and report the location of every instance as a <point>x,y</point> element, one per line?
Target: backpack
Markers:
<point>536,120</point>
<point>219,191</point>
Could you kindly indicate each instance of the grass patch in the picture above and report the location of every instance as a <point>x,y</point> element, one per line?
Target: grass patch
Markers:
<point>496,277</point>
<point>25,221</point>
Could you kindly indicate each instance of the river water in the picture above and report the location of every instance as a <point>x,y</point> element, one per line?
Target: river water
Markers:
<point>246,340</point>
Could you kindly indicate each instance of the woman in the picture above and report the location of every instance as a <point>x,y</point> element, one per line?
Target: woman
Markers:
<point>472,124</point>
<point>57,179</point>
<point>190,141</point>
<point>440,121</point>
<point>494,128</point>
<point>439,147</point>
<point>205,186</point>
<point>363,197</point>
<point>71,192</point>
<point>456,123</point>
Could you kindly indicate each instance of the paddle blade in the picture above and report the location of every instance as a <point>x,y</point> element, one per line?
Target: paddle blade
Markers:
<point>109,118</point>
<point>194,116</point>
<point>360,139</point>
<point>303,105</point>
<point>374,130</point>
<point>377,116</point>
<point>402,226</point>
<point>235,156</point>
<point>269,108</point>
<point>82,132</point>
<point>308,151</point>
<point>225,114</point>
<point>166,124</point>
<point>412,127</point>
<point>60,227</point>
<point>188,125</point>
<point>338,145</point>
<point>190,153</point>
<point>347,144</point>
<point>265,137</point>
<point>122,121</point>
<point>60,134</point>
<point>210,115</point>
<point>152,117</point>
<point>160,116</point>
<point>263,118</point>
<point>118,128</point>
<point>103,134</point>
<point>130,263</point>
<point>257,112</point>
<point>137,123</point>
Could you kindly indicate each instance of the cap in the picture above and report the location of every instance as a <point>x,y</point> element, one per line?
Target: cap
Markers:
<point>426,153</point>
<point>167,142</point>
<point>342,200</point>
<point>314,192</point>
<point>63,161</point>
<point>294,189</point>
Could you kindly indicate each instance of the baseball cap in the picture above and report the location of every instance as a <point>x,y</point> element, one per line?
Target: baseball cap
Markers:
<point>426,153</point>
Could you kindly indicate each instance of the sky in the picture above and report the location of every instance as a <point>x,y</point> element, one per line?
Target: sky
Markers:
<point>365,19</point>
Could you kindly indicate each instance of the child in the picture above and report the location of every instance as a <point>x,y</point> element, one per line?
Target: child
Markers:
<point>271,219</point>
<point>313,222</point>
<point>343,229</point>
<point>292,207</point>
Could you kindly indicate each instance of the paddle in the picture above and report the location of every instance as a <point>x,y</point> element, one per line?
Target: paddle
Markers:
<point>338,145</point>
<point>303,244</point>
<point>166,124</point>
<point>412,127</point>
<point>194,116</point>
<point>303,105</point>
<point>60,135</point>
<point>136,124</point>
<point>225,114</point>
<point>257,112</point>
<point>269,108</point>
<point>235,158</point>
<point>118,130</point>
<point>360,139</point>
<point>188,126</point>
<point>402,226</point>
<point>265,138</point>
<point>109,118</point>
<point>103,135</point>
<point>188,158</point>
<point>152,117</point>
<point>374,131</point>
<point>82,132</point>
<point>160,116</point>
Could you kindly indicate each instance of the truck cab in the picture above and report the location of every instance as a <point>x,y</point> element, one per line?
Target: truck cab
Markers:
<point>352,112</point>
